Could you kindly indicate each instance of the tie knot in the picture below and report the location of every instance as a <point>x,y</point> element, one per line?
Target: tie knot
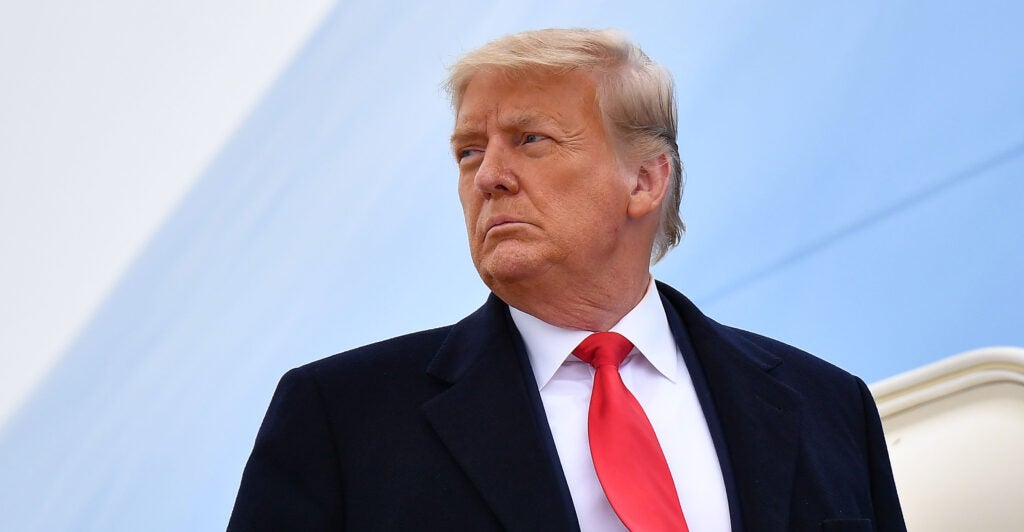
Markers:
<point>604,349</point>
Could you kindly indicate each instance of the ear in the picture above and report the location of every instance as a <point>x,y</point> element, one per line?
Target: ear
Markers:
<point>650,187</point>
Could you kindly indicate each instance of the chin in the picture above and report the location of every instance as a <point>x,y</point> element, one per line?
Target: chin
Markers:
<point>508,267</point>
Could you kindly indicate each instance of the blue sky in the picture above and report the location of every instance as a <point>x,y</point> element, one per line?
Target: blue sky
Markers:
<point>855,182</point>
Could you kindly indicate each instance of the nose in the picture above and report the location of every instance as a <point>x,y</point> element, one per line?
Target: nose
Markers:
<point>495,174</point>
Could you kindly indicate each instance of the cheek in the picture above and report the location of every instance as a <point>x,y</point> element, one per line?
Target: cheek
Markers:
<point>470,208</point>
<point>464,192</point>
<point>599,205</point>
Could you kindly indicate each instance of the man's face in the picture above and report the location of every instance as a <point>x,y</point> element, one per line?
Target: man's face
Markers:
<point>540,184</point>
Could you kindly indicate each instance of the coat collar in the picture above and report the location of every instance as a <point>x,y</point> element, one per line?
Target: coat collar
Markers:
<point>492,420</point>
<point>759,415</point>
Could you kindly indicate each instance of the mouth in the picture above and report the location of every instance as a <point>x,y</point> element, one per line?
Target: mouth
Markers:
<point>500,221</point>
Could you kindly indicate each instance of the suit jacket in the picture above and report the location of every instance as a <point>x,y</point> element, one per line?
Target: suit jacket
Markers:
<point>444,430</point>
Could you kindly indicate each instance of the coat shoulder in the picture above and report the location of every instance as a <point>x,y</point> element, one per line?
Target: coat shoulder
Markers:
<point>797,359</point>
<point>833,390</point>
<point>413,350</point>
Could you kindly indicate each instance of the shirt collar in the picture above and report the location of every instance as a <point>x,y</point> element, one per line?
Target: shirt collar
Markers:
<point>548,346</point>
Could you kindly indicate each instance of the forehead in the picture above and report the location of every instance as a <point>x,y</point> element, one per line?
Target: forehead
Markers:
<point>514,100</point>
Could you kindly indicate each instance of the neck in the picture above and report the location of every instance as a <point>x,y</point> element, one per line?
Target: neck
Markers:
<point>591,306</point>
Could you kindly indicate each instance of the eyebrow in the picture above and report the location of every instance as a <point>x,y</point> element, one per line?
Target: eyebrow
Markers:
<point>463,134</point>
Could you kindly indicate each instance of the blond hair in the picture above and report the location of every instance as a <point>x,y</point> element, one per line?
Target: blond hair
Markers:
<point>635,95</point>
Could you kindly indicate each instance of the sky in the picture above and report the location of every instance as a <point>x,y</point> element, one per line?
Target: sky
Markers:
<point>855,175</point>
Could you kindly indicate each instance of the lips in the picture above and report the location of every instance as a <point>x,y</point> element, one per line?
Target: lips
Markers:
<point>500,220</point>
<point>495,221</point>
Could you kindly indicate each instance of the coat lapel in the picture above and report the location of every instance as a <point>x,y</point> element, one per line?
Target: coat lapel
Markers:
<point>760,417</point>
<point>492,422</point>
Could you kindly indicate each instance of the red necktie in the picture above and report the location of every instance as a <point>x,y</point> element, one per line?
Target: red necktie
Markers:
<point>628,459</point>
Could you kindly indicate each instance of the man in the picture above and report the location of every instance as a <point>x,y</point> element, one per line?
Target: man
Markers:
<point>519,417</point>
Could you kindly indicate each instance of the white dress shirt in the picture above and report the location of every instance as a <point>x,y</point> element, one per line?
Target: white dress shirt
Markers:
<point>656,374</point>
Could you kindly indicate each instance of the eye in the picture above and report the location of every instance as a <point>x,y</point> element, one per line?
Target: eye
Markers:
<point>530,138</point>
<point>462,153</point>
